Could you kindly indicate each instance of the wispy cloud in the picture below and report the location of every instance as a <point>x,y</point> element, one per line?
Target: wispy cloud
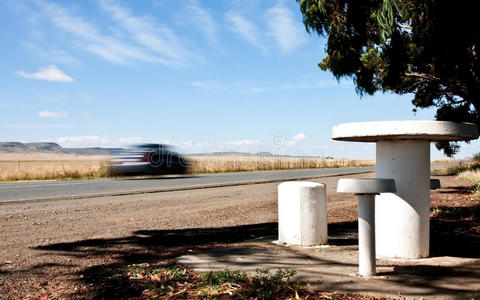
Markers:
<point>203,20</point>
<point>51,53</point>
<point>137,38</point>
<point>209,86</point>
<point>83,141</point>
<point>287,31</point>
<point>130,140</point>
<point>96,141</point>
<point>297,86</point>
<point>296,139</point>
<point>299,137</point>
<point>106,141</point>
<point>50,73</point>
<point>88,37</point>
<point>215,86</point>
<point>246,30</point>
<point>52,114</point>
<point>245,142</point>
<point>148,33</point>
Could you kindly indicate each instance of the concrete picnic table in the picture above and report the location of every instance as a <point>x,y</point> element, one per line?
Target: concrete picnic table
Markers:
<point>402,219</point>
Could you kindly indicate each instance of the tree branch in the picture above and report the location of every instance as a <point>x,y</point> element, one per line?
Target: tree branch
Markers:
<point>422,75</point>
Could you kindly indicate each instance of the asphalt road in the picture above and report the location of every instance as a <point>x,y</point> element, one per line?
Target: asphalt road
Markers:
<point>39,191</point>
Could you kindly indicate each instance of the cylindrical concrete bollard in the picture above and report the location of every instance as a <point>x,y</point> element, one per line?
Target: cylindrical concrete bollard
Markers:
<point>302,213</point>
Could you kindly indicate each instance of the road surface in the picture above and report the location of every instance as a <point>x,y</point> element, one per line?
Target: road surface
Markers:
<point>38,191</point>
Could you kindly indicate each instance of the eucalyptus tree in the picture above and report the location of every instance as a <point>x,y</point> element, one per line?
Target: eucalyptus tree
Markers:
<point>427,48</point>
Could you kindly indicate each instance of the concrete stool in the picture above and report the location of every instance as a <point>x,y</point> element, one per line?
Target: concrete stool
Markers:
<point>366,189</point>
<point>302,213</point>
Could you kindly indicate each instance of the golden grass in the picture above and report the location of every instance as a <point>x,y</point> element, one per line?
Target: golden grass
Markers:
<point>472,177</point>
<point>452,166</point>
<point>49,157</point>
<point>50,166</point>
<point>220,164</point>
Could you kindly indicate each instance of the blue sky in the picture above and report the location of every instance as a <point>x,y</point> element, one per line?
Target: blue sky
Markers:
<point>201,75</point>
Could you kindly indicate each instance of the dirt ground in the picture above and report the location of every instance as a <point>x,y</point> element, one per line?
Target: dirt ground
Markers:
<point>68,249</point>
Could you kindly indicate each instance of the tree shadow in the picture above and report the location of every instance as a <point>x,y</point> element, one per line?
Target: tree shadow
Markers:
<point>464,190</point>
<point>108,281</point>
<point>154,246</point>
<point>455,231</point>
<point>343,234</point>
<point>452,234</point>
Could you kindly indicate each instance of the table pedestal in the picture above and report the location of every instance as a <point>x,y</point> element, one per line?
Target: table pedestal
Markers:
<point>403,218</point>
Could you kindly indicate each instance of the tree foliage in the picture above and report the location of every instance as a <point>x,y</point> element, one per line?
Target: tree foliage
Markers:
<point>427,48</point>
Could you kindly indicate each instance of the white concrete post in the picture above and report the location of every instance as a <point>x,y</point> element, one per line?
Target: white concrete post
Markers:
<point>366,234</point>
<point>302,213</point>
<point>403,218</point>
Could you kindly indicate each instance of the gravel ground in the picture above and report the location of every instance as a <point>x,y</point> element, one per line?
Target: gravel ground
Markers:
<point>62,249</point>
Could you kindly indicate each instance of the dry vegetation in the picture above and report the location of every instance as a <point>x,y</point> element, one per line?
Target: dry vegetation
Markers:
<point>49,166</point>
<point>219,164</point>
<point>465,170</point>
<point>472,177</point>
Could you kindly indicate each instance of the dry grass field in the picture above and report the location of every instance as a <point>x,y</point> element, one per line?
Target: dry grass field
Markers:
<point>51,166</point>
<point>219,164</point>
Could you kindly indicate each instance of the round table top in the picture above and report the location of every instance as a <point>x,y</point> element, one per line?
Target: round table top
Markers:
<point>405,130</point>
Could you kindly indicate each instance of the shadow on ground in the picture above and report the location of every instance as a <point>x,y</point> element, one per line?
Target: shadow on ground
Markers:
<point>108,281</point>
<point>463,190</point>
<point>455,232</point>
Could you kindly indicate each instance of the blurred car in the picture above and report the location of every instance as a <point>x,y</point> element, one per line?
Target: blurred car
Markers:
<point>148,159</point>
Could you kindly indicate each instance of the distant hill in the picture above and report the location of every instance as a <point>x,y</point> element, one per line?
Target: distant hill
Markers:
<point>44,147</point>
<point>9,147</point>
<point>92,151</point>
<point>17,147</point>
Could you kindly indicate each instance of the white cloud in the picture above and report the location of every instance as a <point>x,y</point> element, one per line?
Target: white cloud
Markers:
<point>52,114</point>
<point>247,30</point>
<point>209,86</point>
<point>155,37</point>
<point>245,142</point>
<point>299,137</point>
<point>83,141</point>
<point>50,73</point>
<point>152,42</point>
<point>298,86</point>
<point>88,37</point>
<point>287,31</point>
<point>52,54</point>
<point>130,140</point>
<point>204,20</point>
